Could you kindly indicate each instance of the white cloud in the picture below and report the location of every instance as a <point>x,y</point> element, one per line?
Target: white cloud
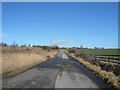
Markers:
<point>60,42</point>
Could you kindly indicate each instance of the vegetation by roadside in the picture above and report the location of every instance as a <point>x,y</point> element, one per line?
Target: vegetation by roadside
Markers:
<point>107,71</point>
<point>18,59</point>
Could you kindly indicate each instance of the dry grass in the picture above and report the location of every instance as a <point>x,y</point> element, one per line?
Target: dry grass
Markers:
<point>108,77</point>
<point>19,59</point>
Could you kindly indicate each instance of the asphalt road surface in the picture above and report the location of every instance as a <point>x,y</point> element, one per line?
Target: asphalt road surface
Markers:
<point>59,72</point>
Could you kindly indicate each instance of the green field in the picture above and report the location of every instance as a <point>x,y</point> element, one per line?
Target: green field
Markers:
<point>102,54</point>
<point>99,51</point>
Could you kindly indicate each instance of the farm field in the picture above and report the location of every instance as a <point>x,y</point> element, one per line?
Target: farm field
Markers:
<point>102,54</point>
<point>106,60</point>
<point>99,51</point>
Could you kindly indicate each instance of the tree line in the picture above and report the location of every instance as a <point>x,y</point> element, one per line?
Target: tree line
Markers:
<point>14,44</point>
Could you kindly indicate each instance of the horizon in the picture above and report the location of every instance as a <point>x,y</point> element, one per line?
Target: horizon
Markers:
<point>91,24</point>
<point>32,45</point>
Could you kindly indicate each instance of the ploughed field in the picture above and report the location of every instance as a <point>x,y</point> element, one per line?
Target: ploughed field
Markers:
<point>106,59</point>
<point>105,63</point>
<point>108,55</point>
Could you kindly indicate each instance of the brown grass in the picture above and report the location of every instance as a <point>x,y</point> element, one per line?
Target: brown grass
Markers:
<point>19,59</point>
<point>108,77</point>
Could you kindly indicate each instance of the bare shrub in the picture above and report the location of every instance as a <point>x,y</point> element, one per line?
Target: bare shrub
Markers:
<point>82,55</point>
<point>72,50</point>
<point>48,57</point>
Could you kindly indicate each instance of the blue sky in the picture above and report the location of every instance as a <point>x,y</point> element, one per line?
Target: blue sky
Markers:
<point>89,24</point>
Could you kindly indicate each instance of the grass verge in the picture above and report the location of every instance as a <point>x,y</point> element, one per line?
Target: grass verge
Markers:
<point>18,59</point>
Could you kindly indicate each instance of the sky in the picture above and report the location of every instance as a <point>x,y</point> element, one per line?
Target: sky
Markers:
<point>91,24</point>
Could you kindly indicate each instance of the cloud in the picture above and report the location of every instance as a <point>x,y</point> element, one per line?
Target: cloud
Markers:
<point>61,42</point>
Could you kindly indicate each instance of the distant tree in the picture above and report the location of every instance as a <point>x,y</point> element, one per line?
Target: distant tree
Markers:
<point>86,47</point>
<point>37,46</point>
<point>4,44</point>
<point>24,45</point>
<point>102,47</point>
<point>55,47</point>
<point>29,45</point>
<point>16,45</point>
<point>13,44</point>
<point>96,47</point>
<point>33,45</point>
<point>81,46</point>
